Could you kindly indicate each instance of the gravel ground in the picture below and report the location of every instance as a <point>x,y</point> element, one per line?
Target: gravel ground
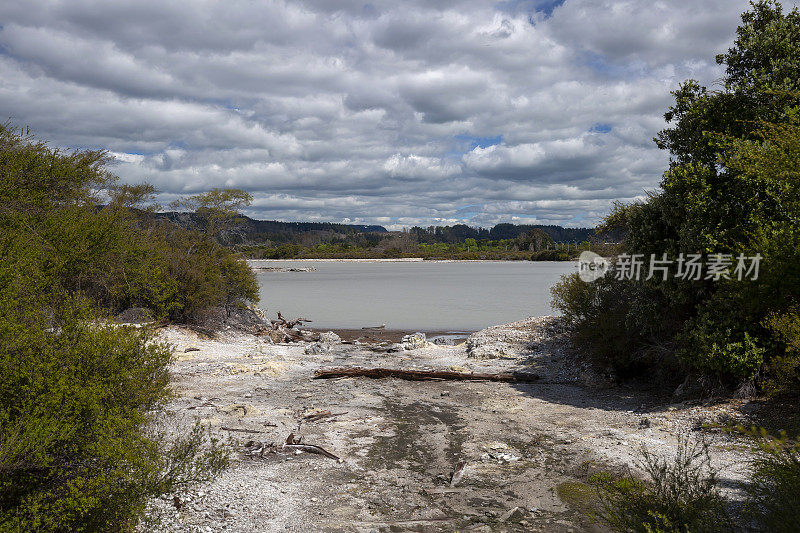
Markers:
<point>399,442</point>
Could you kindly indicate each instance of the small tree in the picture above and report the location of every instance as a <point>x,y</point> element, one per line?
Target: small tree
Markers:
<point>133,196</point>
<point>218,207</point>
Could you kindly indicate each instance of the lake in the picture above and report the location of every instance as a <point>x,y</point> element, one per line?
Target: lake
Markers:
<point>410,295</point>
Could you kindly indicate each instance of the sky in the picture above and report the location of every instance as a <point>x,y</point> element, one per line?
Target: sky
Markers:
<point>395,113</point>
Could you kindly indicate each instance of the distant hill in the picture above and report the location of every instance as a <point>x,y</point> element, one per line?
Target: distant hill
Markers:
<point>249,230</point>
<point>252,231</point>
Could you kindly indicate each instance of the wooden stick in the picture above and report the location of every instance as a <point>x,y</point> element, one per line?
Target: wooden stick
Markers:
<point>242,430</point>
<point>310,448</point>
<point>423,375</point>
<point>319,416</point>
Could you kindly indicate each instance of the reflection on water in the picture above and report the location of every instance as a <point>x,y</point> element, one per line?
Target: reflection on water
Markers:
<point>424,295</point>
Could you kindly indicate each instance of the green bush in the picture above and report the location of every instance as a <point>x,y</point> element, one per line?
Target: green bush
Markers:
<point>79,398</point>
<point>76,401</point>
<point>719,347</point>
<point>609,322</point>
<point>679,495</point>
<point>783,372</point>
<point>774,488</point>
<point>733,187</point>
<point>115,255</point>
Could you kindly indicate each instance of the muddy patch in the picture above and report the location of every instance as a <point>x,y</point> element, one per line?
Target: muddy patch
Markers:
<point>422,435</point>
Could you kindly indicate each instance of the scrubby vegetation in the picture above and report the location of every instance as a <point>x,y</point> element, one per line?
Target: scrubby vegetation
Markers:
<point>68,216</point>
<point>733,187</point>
<point>678,494</point>
<point>681,494</point>
<point>774,488</point>
<point>78,396</point>
<point>76,404</point>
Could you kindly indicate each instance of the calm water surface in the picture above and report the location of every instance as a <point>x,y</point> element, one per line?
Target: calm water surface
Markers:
<point>425,295</point>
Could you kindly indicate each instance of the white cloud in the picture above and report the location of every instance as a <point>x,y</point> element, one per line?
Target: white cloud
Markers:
<point>395,113</point>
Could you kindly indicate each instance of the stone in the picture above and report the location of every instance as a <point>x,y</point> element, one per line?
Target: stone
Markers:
<point>513,515</point>
<point>317,348</point>
<point>249,319</point>
<point>330,337</point>
<point>272,368</point>
<point>324,345</point>
<point>444,341</point>
<point>413,341</point>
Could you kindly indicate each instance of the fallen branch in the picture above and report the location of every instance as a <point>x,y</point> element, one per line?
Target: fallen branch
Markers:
<point>282,330</point>
<point>319,416</point>
<point>423,375</point>
<point>241,430</point>
<point>294,443</point>
<point>290,323</point>
<point>310,448</point>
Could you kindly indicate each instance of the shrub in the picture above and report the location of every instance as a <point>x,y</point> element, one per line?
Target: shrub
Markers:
<point>76,400</point>
<point>206,274</point>
<point>783,372</point>
<point>718,346</point>
<point>115,255</point>
<point>732,187</point>
<point>774,488</point>
<point>608,321</point>
<point>679,495</point>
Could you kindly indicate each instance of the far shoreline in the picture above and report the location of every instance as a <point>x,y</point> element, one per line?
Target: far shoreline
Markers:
<point>403,260</point>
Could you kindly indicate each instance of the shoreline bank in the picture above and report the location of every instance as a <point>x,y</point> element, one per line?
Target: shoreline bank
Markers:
<point>399,441</point>
<point>403,260</point>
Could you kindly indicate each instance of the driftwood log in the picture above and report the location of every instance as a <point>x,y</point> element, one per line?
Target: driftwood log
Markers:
<point>283,330</point>
<point>423,375</point>
<point>289,323</point>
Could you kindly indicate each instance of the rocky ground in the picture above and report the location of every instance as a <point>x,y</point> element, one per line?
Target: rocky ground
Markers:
<point>515,449</point>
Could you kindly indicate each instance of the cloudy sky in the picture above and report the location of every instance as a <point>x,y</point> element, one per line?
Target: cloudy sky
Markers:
<point>396,113</point>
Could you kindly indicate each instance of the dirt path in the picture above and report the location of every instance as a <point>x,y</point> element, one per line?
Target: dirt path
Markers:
<point>399,441</point>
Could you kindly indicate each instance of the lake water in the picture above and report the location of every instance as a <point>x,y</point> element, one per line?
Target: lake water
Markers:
<point>413,295</point>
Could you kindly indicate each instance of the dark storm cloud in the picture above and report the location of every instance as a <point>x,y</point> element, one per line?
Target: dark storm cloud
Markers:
<point>404,113</point>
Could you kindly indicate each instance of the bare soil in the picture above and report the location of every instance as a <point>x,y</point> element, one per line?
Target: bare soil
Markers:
<point>399,442</point>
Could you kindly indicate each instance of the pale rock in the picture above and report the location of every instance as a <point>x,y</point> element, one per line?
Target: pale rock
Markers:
<point>413,341</point>
<point>272,368</point>
<point>325,343</point>
<point>513,515</point>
